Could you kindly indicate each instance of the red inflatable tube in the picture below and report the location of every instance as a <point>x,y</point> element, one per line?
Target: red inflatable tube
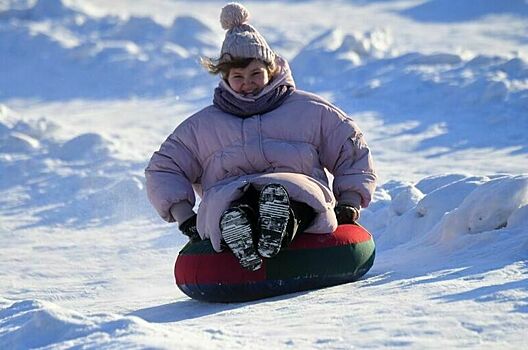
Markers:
<point>311,261</point>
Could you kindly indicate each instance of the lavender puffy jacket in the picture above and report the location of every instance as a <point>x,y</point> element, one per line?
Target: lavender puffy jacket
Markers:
<point>219,154</point>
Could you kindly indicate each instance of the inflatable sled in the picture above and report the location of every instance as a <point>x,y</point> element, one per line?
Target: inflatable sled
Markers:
<point>311,261</point>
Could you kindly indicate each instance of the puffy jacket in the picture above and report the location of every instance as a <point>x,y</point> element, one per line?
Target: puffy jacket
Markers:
<point>217,155</point>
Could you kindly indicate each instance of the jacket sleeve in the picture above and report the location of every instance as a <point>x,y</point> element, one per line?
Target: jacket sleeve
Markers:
<point>346,155</point>
<point>169,176</point>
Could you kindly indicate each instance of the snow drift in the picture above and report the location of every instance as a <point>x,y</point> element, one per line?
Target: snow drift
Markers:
<point>463,11</point>
<point>442,208</point>
<point>77,233</point>
<point>441,221</point>
<point>76,181</point>
<point>32,324</point>
<point>55,52</point>
<point>446,92</point>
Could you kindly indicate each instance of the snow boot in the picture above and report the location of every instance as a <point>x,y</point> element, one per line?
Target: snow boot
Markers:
<point>274,212</point>
<point>237,232</point>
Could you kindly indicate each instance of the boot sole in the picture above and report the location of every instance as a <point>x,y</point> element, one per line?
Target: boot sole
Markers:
<point>237,233</point>
<point>274,213</point>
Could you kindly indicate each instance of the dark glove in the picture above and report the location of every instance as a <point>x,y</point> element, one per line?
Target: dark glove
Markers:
<point>188,228</point>
<point>346,214</point>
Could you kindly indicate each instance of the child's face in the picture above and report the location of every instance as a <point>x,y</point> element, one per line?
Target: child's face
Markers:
<point>250,80</point>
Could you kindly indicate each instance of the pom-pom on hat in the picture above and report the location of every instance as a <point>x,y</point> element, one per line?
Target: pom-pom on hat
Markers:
<point>242,40</point>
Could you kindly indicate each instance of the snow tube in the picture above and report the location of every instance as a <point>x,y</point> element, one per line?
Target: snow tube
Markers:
<point>311,261</point>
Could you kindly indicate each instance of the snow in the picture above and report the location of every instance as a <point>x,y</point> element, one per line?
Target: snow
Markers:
<point>90,89</point>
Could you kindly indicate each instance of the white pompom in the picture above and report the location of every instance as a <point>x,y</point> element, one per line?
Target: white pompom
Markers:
<point>233,15</point>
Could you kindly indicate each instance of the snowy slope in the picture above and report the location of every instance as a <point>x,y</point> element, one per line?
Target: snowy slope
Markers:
<point>90,89</point>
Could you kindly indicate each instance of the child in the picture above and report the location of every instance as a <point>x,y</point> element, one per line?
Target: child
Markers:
<point>257,156</point>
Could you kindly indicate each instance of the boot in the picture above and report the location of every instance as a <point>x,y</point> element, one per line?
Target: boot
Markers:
<point>237,232</point>
<point>274,212</point>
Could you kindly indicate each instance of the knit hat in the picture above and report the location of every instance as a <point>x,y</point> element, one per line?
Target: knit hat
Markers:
<point>242,40</point>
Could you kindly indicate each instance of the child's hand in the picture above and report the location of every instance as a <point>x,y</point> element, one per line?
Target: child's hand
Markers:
<point>346,214</point>
<point>188,228</point>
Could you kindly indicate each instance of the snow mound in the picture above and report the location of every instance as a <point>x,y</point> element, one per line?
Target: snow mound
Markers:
<point>43,9</point>
<point>17,142</point>
<point>447,197</point>
<point>462,11</point>
<point>443,91</point>
<point>335,51</point>
<point>7,117</point>
<point>488,207</point>
<point>433,182</point>
<point>446,94</point>
<point>76,55</point>
<point>35,324</point>
<point>139,30</point>
<point>75,182</point>
<point>519,218</point>
<point>113,200</point>
<point>423,78</point>
<point>19,136</point>
<point>83,147</point>
<point>458,207</point>
<point>405,200</point>
<point>193,35</point>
